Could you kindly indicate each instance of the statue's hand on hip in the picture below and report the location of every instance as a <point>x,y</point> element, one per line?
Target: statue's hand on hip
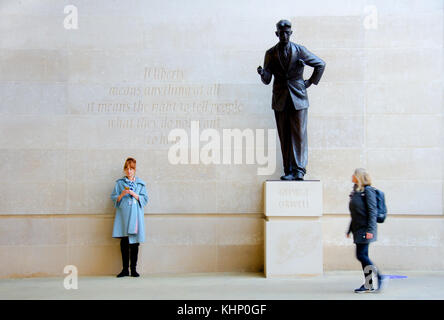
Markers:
<point>307,83</point>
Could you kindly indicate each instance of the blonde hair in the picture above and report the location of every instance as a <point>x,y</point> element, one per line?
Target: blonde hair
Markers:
<point>363,179</point>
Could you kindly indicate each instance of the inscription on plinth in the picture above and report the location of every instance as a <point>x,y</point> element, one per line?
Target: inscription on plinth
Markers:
<point>293,198</point>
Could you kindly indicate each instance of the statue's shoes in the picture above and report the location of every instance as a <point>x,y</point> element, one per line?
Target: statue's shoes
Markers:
<point>298,176</point>
<point>288,177</point>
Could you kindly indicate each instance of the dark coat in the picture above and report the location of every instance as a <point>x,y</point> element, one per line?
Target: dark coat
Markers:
<point>288,80</point>
<point>363,215</point>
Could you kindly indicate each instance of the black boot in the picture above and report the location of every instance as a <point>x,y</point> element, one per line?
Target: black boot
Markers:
<point>124,249</point>
<point>134,251</point>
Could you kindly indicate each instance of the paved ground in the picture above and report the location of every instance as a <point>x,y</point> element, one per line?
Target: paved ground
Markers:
<point>226,286</point>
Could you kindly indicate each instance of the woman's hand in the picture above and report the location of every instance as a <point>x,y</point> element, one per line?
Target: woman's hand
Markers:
<point>369,235</point>
<point>125,192</point>
<point>347,235</point>
<point>135,195</point>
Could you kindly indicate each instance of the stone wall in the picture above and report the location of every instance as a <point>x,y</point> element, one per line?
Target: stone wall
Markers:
<point>76,102</point>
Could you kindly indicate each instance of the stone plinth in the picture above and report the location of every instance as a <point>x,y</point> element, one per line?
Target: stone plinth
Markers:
<point>293,230</point>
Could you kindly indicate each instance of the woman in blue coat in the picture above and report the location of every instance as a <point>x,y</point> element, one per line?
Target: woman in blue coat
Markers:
<point>129,197</point>
<point>363,225</point>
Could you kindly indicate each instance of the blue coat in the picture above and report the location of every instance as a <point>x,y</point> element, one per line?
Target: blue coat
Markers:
<point>129,219</point>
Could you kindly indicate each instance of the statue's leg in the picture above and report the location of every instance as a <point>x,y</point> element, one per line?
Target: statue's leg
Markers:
<point>284,132</point>
<point>298,128</point>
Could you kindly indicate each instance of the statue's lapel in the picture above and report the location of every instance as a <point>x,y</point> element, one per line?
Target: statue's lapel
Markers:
<point>276,50</point>
<point>293,57</point>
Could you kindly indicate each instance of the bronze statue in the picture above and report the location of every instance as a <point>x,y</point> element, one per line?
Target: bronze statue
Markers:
<point>286,61</point>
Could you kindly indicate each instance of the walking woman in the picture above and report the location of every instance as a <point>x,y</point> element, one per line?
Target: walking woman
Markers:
<point>363,225</point>
<point>129,197</point>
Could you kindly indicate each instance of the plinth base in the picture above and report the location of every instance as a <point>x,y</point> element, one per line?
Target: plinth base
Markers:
<point>293,230</point>
<point>293,247</point>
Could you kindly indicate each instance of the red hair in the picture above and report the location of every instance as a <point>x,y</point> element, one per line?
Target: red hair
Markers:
<point>131,162</point>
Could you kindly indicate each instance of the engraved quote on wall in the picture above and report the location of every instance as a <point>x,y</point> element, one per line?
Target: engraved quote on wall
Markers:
<point>165,101</point>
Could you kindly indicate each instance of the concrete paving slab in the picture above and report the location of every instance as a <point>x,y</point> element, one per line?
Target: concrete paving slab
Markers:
<point>226,286</point>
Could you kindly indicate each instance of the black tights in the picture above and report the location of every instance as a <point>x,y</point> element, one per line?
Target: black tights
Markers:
<point>362,256</point>
<point>129,253</point>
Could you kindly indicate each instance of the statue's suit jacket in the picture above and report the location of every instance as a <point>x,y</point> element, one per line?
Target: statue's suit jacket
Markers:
<point>288,80</point>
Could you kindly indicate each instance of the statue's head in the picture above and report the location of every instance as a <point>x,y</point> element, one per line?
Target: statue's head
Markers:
<point>283,31</point>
